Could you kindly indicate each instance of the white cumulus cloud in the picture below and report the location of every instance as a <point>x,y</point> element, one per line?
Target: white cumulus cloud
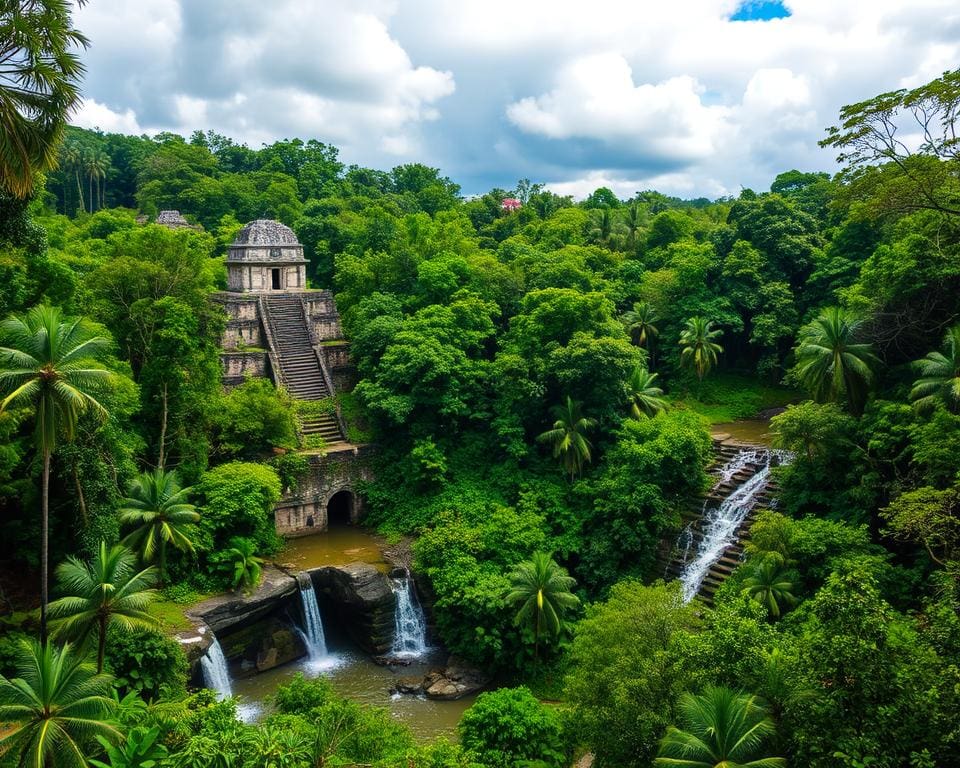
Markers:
<point>672,95</point>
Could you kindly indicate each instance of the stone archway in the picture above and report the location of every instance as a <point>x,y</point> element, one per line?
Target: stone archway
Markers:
<point>342,508</point>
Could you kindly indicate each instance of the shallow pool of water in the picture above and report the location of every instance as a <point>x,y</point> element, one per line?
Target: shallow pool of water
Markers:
<point>337,546</point>
<point>354,675</point>
<point>352,672</point>
<point>753,431</point>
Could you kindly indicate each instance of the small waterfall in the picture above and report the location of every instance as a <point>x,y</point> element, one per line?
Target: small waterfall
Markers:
<point>738,462</point>
<point>410,626</point>
<point>312,633</point>
<point>216,674</point>
<point>720,524</point>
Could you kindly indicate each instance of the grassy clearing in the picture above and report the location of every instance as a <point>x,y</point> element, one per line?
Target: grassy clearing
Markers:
<point>171,606</point>
<point>729,396</point>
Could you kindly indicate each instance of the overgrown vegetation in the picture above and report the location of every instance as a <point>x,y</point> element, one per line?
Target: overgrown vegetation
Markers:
<point>505,363</point>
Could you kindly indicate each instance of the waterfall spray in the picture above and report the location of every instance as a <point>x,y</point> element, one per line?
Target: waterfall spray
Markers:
<point>410,626</point>
<point>216,674</point>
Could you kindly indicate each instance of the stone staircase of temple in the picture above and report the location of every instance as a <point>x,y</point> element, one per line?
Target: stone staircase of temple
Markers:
<point>300,371</point>
<point>693,517</point>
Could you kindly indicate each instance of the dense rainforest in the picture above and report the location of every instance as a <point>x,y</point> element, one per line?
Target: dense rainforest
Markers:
<point>538,380</point>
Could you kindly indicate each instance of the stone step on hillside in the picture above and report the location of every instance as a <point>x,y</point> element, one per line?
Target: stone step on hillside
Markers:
<point>299,367</point>
<point>326,426</point>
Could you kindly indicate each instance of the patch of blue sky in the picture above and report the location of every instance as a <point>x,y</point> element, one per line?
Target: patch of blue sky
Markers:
<point>760,10</point>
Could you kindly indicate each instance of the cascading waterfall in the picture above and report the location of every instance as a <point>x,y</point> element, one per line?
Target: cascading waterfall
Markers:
<point>410,626</point>
<point>216,674</point>
<point>719,524</point>
<point>312,632</point>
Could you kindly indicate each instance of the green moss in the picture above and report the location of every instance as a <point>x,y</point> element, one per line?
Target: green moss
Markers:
<point>313,443</point>
<point>730,396</point>
<point>358,430</point>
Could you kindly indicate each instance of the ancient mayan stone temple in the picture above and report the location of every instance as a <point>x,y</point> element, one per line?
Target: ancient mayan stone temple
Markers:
<point>279,328</point>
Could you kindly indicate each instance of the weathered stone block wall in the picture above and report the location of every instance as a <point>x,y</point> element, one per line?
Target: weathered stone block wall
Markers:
<point>326,327</point>
<point>324,318</point>
<point>320,303</point>
<point>243,321</point>
<point>238,307</point>
<point>337,355</point>
<point>336,358</point>
<point>237,366</point>
<point>303,510</point>
<point>240,333</point>
<point>258,277</point>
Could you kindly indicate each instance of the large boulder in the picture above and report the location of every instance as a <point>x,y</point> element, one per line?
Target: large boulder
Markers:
<point>263,645</point>
<point>456,680</point>
<point>235,608</point>
<point>363,601</point>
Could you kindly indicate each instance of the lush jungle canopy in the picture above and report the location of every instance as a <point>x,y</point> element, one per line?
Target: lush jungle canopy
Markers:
<point>538,382</point>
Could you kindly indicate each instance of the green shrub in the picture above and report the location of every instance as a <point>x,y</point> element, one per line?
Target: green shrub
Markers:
<point>237,499</point>
<point>346,733</point>
<point>252,419</point>
<point>290,467</point>
<point>148,663</point>
<point>507,727</point>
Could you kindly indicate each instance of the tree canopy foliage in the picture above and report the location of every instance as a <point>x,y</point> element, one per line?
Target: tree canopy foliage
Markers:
<point>537,378</point>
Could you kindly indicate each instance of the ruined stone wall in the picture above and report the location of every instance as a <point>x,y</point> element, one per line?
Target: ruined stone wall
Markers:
<point>303,509</point>
<point>239,366</point>
<point>336,357</point>
<point>243,321</point>
<point>324,318</point>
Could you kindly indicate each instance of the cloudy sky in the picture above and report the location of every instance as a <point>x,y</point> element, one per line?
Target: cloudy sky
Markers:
<point>690,97</point>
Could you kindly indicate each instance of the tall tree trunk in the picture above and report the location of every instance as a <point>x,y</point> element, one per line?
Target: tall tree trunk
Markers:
<point>76,175</point>
<point>163,561</point>
<point>80,496</point>
<point>101,643</point>
<point>536,639</point>
<point>163,425</point>
<point>44,546</point>
<point>90,191</point>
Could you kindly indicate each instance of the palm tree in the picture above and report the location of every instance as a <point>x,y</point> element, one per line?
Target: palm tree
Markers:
<point>640,323</point>
<point>39,80</point>
<point>542,590</point>
<point>51,363</point>
<point>90,168</point>
<point>646,399</point>
<point>245,564</point>
<point>830,360</point>
<point>722,729</point>
<point>102,163</point>
<point>95,165</point>
<point>939,375</point>
<point>106,592</point>
<point>631,223</point>
<point>770,585</point>
<point>602,225</point>
<point>158,506</point>
<point>568,436</point>
<point>699,349</point>
<point>73,159</point>
<point>57,704</point>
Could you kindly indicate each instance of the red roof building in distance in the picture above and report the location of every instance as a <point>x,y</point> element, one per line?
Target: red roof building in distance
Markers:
<point>510,204</point>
